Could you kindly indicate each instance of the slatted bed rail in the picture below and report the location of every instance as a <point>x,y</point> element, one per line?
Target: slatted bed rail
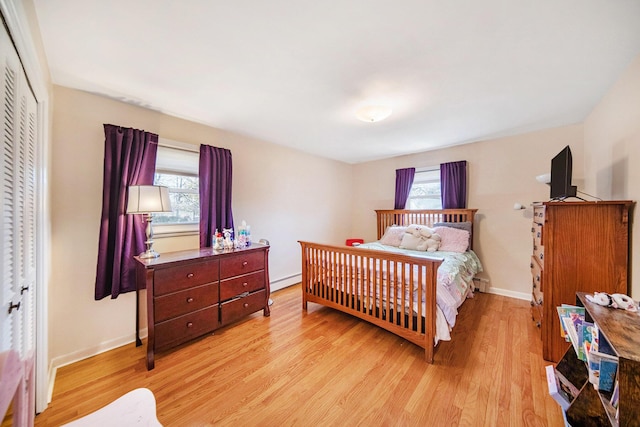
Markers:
<point>383,288</point>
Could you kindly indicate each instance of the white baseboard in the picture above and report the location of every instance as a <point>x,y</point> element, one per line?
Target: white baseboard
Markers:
<point>76,356</point>
<point>511,294</point>
<point>286,282</point>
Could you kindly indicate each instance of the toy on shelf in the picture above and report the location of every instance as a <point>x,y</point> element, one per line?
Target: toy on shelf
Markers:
<point>217,241</point>
<point>620,301</point>
<point>228,242</point>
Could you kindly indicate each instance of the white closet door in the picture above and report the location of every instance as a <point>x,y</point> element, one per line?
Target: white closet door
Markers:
<point>17,203</point>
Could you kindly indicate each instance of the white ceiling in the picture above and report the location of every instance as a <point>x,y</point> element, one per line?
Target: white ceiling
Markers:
<point>293,72</point>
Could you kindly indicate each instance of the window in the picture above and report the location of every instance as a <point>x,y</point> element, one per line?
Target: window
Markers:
<point>425,191</point>
<point>185,199</point>
<point>177,169</point>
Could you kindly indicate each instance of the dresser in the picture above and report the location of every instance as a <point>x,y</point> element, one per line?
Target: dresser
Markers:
<point>194,292</point>
<point>577,247</point>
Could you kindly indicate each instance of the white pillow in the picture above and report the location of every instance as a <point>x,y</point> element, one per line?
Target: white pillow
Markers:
<point>393,236</point>
<point>414,243</point>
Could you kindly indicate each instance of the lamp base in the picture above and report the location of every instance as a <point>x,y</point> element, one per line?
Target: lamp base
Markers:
<point>149,253</point>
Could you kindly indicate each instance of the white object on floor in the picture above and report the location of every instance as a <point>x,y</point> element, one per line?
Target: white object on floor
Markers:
<point>136,408</point>
<point>17,386</point>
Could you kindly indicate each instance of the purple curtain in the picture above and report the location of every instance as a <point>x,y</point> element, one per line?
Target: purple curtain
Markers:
<point>404,181</point>
<point>453,185</point>
<point>129,159</point>
<point>215,192</point>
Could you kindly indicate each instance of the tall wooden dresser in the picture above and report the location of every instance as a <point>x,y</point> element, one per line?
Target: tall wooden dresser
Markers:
<point>577,247</point>
<point>191,293</point>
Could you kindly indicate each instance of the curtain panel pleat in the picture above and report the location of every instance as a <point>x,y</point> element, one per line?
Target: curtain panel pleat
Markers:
<point>215,172</point>
<point>453,185</point>
<point>404,181</point>
<point>129,159</point>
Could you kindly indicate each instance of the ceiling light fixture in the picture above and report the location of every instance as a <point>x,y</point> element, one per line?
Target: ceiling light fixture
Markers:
<point>373,113</point>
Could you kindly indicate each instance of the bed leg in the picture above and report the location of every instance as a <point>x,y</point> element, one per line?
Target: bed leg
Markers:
<point>428,353</point>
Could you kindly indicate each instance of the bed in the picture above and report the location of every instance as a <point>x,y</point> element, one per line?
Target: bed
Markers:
<point>414,294</point>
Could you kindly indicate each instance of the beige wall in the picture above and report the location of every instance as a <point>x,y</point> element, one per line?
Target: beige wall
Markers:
<point>501,172</point>
<point>612,147</point>
<point>285,196</point>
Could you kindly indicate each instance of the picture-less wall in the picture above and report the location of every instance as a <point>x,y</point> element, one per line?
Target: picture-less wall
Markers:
<point>285,195</point>
<point>612,147</point>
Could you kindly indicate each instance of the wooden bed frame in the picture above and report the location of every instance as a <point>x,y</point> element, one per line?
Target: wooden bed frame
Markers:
<point>353,280</point>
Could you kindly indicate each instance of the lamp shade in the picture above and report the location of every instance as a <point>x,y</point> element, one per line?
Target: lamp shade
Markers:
<point>148,199</point>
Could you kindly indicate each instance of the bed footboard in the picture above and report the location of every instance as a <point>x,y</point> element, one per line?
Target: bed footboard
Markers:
<point>393,291</point>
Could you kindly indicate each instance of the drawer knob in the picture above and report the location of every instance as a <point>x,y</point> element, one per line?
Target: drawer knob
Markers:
<point>245,305</point>
<point>189,276</point>
<point>244,264</point>
<point>190,325</point>
<point>245,284</point>
<point>190,300</point>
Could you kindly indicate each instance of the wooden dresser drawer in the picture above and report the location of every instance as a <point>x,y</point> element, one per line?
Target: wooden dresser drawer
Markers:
<point>235,309</point>
<point>183,328</point>
<point>536,313</point>
<point>538,249</point>
<point>536,233</point>
<point>536,275</point>
<point>539,214</point>
<point>182,302</point>
<point>167,280</point>
<point>235,286</point>
<point>242,263</point>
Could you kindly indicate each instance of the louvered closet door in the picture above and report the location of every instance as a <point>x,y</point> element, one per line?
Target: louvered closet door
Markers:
<point>17,204</point>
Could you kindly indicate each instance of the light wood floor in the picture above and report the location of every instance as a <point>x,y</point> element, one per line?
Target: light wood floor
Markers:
<point>324,368</point>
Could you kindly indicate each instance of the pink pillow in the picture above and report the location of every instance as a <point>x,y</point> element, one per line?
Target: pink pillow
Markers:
<point>393,236</point>
<point>452,239</point>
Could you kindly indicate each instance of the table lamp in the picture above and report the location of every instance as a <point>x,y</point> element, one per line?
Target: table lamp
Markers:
<point>148,199</point>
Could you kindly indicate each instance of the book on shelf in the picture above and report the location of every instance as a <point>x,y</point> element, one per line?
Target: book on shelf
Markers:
<point>575,313</point>
<point>585,336</point>
<point>555,390</point>
<point>579,332</point>
<point>572,333</point>
<point>608,371</point>
<point>615,395</point>
<point>568,388</point>
<point>602,369</point>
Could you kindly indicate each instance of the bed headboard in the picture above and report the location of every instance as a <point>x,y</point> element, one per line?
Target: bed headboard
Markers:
<point>428,217</point>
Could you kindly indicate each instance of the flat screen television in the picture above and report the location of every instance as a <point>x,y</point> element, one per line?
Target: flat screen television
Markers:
<point>561,187</point>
